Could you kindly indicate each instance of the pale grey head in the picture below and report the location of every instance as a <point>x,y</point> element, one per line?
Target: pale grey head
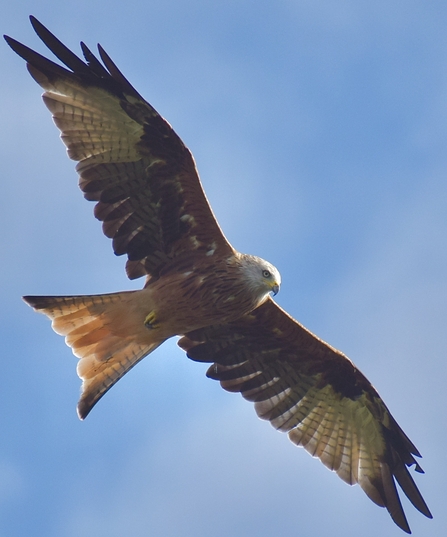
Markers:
<point>261,276</point>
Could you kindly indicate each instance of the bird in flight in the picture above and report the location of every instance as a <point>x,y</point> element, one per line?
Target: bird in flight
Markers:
<point>151,204</point>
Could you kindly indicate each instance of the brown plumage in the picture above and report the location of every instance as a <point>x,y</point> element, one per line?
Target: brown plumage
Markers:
<point>149,197</point>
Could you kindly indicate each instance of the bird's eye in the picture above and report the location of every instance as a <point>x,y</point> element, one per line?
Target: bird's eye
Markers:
<point>266,273</point>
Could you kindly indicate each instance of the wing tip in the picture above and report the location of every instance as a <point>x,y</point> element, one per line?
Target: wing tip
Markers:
<point>35,23</point>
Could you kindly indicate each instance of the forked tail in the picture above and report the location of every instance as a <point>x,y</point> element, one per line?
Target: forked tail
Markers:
<point>106,333</point>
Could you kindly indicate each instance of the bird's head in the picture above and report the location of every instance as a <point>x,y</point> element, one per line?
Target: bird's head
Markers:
<point>261,276</point>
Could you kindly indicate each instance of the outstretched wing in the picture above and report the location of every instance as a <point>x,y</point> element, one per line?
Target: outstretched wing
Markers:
<point>315,393</point>
<point>130,160</point>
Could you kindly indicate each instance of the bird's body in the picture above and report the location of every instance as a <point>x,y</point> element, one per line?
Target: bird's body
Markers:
<point>215,293</point>
<point>149,197</point>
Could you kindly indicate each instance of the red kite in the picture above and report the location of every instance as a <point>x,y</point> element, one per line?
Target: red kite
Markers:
<point>149,197</point>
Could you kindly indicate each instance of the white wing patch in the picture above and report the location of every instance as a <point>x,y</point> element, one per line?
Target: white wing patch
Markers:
<point>95,129</point>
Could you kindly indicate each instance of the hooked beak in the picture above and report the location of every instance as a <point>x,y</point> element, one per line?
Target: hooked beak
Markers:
<point>275,289</point>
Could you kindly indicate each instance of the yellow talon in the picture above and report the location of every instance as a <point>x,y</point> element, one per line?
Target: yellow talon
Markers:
<point>151,320</point>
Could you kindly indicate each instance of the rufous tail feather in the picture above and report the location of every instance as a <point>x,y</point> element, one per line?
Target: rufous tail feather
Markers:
<point>106,333</point>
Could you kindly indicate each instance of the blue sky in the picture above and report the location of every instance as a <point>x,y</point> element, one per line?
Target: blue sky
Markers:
<point>320,133</point>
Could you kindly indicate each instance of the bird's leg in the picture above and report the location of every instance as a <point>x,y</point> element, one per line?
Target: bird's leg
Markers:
<point>151,320</point>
